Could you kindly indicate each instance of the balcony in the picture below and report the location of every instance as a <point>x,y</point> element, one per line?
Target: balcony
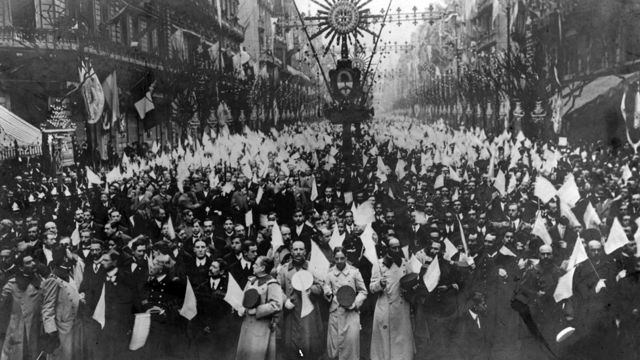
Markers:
<point>52,40</point>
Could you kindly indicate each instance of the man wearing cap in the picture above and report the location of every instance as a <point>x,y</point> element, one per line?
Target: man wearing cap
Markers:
<point>392,336</point>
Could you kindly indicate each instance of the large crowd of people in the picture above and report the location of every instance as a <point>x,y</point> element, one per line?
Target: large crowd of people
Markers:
<point>425,242</point>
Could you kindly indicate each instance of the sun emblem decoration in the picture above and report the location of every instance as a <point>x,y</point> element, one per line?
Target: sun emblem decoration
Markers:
<point>344,17</point>
<point>342,21</point>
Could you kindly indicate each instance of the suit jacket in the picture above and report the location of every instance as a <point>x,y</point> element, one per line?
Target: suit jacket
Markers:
<point>241,275</point>
<point>417,238</point>
<point>122,300</point>
<point>212,308</point>
<point>305,235</point>
<point>470,342</point>
<point>197,274</point>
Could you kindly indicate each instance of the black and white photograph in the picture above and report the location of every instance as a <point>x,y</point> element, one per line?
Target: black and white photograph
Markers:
<point>319,179</point>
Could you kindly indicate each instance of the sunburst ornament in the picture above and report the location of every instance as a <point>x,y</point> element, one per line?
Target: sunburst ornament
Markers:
<point>342,21</point>
<point>344,17</point>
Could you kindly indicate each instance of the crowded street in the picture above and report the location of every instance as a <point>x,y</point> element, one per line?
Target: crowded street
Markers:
<point>319,179</point>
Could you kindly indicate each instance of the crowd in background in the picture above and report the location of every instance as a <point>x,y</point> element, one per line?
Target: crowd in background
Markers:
<point>494,227</point>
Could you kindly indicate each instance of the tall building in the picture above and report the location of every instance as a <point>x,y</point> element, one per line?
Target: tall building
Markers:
<point>164,43</point>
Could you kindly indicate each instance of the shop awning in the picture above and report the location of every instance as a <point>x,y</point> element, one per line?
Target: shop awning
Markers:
<point>577,95</point>
<point>13,128</point>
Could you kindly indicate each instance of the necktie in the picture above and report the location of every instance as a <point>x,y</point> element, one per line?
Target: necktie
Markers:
<point>96,267</point>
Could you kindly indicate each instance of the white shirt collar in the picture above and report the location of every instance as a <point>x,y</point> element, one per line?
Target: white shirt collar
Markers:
<point>161,277</point>
<point>112,272</point>
<point>244,263</point>
<point>48,254</point>
<point>474,316</point>
<point>214,282</point>
<point>200,262</point>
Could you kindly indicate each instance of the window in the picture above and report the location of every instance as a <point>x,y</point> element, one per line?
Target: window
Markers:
<point>49,12</point>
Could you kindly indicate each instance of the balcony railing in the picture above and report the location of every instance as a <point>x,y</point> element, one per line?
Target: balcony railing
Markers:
<point>97,45</point>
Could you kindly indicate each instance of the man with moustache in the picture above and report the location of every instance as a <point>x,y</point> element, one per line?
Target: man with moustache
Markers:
<point>216,325</point>
<point>535,289</point>
<point>60,306</point>
<point>392,337</point>
<point>25,292</point>
<point>121,302</point>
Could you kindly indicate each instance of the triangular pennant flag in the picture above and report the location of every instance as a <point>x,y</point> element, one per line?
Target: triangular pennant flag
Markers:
<point>591,218</point>
<point>568,213</point>
<point>500,183</point>
<point>75,237</point>
<point>170,229</point>
<point>234,294</point>
<point>92,178</point>
<point>564,288</point>
<point>544,189</point>
<point>318,263</point>
<point>414,265</point>
<point>626,173</point>
<point>617,237</point>
<point>99,312</point>
<point>259,195</point>
<point>369,245</point>
<point>506,251</point>
<point>314,189</point>
<point>540,230</point>
<point>336,238</point>
<point>578,254</point>
<point>568,192</point>
<point>439,182</point>
<point>189,307</point>
<point>276,237</point>
<point>431,277</point>
<point>449,249</point>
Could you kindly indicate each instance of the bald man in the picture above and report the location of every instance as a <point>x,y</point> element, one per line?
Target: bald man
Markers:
<point>593,285</point>
<point>536,289</point>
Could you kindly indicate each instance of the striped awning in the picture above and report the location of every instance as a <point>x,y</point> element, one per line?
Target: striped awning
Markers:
<point>13,128</point>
